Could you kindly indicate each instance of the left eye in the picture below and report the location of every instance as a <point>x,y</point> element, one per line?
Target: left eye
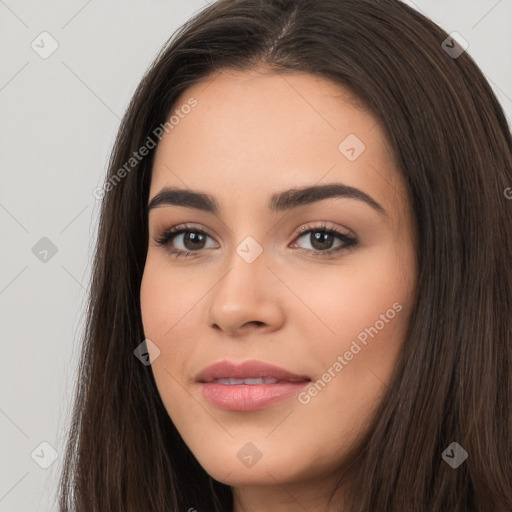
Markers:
<point>322,240</point>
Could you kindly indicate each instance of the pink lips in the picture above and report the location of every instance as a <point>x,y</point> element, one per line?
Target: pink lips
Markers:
<point>248,396</point>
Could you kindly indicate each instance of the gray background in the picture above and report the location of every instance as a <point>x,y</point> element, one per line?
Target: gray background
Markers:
<point>58,120</point>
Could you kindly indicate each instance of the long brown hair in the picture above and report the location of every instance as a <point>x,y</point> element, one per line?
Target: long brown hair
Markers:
<point>453,382</point>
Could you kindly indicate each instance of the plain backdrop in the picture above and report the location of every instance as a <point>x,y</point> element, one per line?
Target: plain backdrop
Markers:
<point>58,118</point>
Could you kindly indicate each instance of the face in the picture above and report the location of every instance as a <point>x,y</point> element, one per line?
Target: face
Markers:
<point>319,284</point>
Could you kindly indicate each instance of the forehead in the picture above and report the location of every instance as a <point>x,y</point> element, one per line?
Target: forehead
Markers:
<point>258,131</point>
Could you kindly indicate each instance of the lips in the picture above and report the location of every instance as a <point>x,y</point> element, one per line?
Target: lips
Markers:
<point>247,370</point>
<point>248,386</point>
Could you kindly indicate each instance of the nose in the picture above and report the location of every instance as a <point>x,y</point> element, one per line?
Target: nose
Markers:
<point>246,298</point>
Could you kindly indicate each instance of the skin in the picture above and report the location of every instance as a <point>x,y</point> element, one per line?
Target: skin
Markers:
<point>253,134</point>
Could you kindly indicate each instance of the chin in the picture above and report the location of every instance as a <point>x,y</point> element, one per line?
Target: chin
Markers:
<point>243,462</point>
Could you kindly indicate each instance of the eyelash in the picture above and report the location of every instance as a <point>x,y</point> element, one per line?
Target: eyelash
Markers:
<point>166,237</point>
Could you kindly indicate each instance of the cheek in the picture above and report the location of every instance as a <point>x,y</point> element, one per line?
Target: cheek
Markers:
<point>165,296</point>
<point>365,308</point>
<point>167,307</point>
<point>164,306</point>
<point>165,301</point>
<point>352,296</point>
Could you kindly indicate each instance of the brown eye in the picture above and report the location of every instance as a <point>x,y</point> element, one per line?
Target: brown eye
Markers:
<point>193,240</point>
<point>322,241</point>
<point>188,240</point>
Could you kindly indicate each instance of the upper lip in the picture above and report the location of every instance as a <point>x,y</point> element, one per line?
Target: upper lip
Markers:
<point>247,369</point>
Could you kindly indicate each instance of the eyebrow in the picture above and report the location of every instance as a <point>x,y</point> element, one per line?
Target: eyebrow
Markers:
<point>279,201</point>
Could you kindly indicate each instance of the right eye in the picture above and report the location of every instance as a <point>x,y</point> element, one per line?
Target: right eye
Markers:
<point>192,239</point>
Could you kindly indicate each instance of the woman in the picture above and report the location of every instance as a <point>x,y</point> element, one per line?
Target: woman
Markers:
<point>302,289</point>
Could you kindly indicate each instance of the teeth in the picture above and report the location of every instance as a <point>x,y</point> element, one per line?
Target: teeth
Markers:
<point>259,380</point>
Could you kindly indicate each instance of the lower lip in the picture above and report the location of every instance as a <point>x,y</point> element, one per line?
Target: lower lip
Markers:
<point>249,397</point>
